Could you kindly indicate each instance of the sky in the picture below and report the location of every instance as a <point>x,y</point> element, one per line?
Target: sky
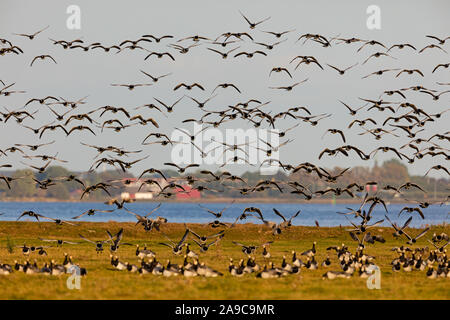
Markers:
<point>78,74</point>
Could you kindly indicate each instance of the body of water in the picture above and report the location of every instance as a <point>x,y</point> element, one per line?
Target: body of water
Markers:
<point>325,214</point>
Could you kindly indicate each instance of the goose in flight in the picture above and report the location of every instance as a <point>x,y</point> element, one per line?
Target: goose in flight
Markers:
<point>98,244</point>
<point>279,34</point>
<point>91,212</point>
<point>289,88</point>
<point>280,69</point>
<point>176,247</point>
<point>223,54</point>
<point>342,71</point>
<point>33,35</point>
<point>251,24</point>
<point>42,57</point>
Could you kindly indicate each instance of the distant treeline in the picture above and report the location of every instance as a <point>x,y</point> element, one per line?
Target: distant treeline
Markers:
<point>391,172</point>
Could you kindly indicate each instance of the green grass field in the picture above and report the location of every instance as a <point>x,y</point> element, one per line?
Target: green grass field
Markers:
<point>104,282</point>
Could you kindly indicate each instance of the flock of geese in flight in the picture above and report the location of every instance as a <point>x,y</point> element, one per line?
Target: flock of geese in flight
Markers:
<point>403,118</point>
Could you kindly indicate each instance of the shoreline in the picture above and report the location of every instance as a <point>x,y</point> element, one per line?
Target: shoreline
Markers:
<point>209,200</point>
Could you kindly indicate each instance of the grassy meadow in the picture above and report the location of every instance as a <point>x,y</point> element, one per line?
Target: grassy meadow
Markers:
<point>104,282</point>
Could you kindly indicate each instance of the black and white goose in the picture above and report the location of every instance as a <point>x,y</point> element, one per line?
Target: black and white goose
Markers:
<point>171,270</point>
<point>269,273</point>
<point>420,265</point>
<point>67,263</point>
<point>364,272</point>
<point>156,267</point>
<point>117,264</point>
<point>251,265</point>
<point>5,269</point>
<point>144,253</point>
<point>348,268</point>
<point>208,272</point>
<point>131,267</point>
<point>31,268</point>
<point>296,261</point>
<point>266,254</point>
<point>45,269</point>
<point>25,250</point>
<point>56,269</point>
<point>236,271</point>
<point>190,253</point>
<point>326,262</point>
<point>407,265</point>
<point>288,267</point>
<point>311,263</point>
<point>190,271</point>
<point>431,273</point>
<point>396,267</point>
<point>186,263</point>
<point>18,266</point>
<point>311,252</point>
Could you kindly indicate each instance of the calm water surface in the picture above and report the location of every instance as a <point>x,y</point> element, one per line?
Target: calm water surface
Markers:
<point>325,214</point>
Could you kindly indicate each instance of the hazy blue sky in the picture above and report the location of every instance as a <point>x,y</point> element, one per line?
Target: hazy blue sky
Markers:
<point>80,74</point>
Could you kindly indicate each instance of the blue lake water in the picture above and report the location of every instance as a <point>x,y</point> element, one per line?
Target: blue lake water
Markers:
<point>325,214</point>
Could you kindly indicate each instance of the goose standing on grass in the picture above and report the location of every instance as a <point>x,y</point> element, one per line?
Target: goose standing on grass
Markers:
<point>208,272</point>
<point>144,253</point>
<point>67,263</point>
<point>296,261</point>
<point>190,271</point>
<point>156,267</point>
<point>190,253</point>
<point>252,265</point>
<point>117,264</point>
<point>326,262</point>
<point>396,266</point>
<point>311,252</point>
<point>311,263</point>
<point>236,271</point>
<point>431,273</point>
<point>266,254</point>
<point>31,268</point>
<point>18,266</point>
<point>289,268</point>
<point>171,270</point>
<point>5,269</point>
<point>131,267</point>
<point>56,269</point>
<point>269,273</point>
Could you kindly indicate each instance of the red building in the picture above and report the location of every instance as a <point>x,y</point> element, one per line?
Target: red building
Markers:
<point>188,193</point>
